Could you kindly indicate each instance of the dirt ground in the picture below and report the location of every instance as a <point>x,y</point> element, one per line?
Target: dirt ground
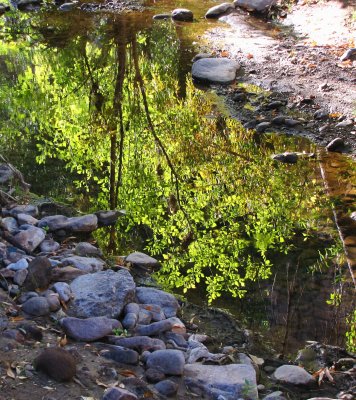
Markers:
<point>298,56</point>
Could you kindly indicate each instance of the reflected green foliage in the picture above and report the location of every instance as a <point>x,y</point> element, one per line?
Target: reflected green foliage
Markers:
<point>215,204</point>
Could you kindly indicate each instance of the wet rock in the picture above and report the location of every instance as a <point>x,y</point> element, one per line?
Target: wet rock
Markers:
<point>30,238</point>
<point>20,276</point>
<point>86,223</point>
<point>24,209</point>
<point>102,293</point>
<point>278,395</point>
<point>36,306</point>
<point>229,381</point>
<point>67,6</point>
<point>166,301</point>
<point>291,122</point>
<point>237,97</point>
<point>262,126</point>
<point>335,145</point>
<point>162,16</point>
<point>288,158</point>
<point>64,291</point>
<point>279,120</point>
<point>85,249</point>
<point>118,394</point>
<point>19,265</point>
<point>142,260</point>
<point>26,219</point>
<point>9,224</point>
<point>88,264</point>
<point>171,362</point>
<point>39,274</point>
<point>154,375</point>
<point>120,354</point>
<point>215,70</point>
<point>274,105</point>
<point>49,246</point>
<point>167,388</point>
<point>57,363</point>
<point>182,14</point>
<point>349,54</point>
<point>293,374</point>
<point>66,274</point>
<point>321,114</point>
<point>255,5</point>
<point>107,218</point>
<point>89,329</point>
<point>216,11</point>
<point>139,343</point>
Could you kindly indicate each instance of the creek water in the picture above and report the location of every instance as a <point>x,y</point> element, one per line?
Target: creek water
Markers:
<point>99,111</point>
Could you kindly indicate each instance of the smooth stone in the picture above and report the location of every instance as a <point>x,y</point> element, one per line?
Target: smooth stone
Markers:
<point>85,249</point>
<point>335,145</point>
<point>166,301</point>
<point>144,317</point>
<point>66,274</point>
<point>279,120</point>
<point>89,329</point>
<point>36,306</point>
<point>67,6</point>
<point>273,105</point>
<point>26,219</point>
<point>9,224</point>
<point>57,363</point>
<point>278,395</point>
<point>167,388</point>
<point>20,276</point>
<point>87,264</point>
<point>30,238</point>
<point>231,381</point>
<point>49,246</point>
<point>215,70</point>
<point>116,393</point>
<point>159,327</point>
<point>155,310</point>
<point>287,158</point>
<point>64,291</point>
<point>19,265</point>
<point>39,274</point>
<point>102,293</point>
<point>216,11</point>
<point>53,302</point>
<point>26,296</point>
<point>154,375</point>
<point>130,320</point>
<point>24,209</point>
<point>120,354</point>
<point>142,260</point>
<point>321,114</point>
<point>182,14</point>
<point>86,223</point>
<point>171,362</point>
<point>262,126</point>
<point>255,5</point>
<point>291,122</point>
<point>162,16</point>
<point>139,343</point>
<point>108,218</point>
<point>293,374</point>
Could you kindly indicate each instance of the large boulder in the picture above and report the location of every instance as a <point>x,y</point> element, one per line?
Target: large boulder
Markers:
<point>168,303</point>
<point>86,223</point>
<point>171,362</point>
<point>231,381</point>
<point>102,293</point>
<point>215,70</point>
<point>255,5</point>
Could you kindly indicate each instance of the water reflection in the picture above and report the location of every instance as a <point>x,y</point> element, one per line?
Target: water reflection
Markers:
<point>104,104</point>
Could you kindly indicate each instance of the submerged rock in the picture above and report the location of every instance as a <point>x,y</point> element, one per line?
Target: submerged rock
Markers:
<point>215,70</point>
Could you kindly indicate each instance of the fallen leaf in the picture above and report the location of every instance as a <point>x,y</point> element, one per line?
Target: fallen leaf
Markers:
<point>16,319</point>
<point>249,56</point>
<point>62,341</point>
<point>127,373</point>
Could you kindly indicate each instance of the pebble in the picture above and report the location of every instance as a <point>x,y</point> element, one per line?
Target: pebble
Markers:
<point>20,277</point>
<point>344,124</point>
<point>49,246</point>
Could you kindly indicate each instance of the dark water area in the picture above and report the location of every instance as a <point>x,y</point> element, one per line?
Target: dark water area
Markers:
<point>99,111</point>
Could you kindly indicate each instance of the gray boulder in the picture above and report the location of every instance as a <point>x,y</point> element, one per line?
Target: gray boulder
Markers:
<point>166,301</point>
<point>255,5</point>
<point>85,249</point>
<point>171,362</point>
<point>86,223</point>
<point>88,264</point>
<point>64,291</point>
<point>138,259</point>
<point>107,218</point>
<point>293,374</point>
<point>49,246</point>
<point>30,238</point>
<point>231,381</point>
<point>182,14</point>
<point>36,306</point>
<point>102,293</point>
<point>120,354</point>
<point>216,11</point>
<point>89,329</point>
<point>9,224</point>
<point>24,209</point>
<point>215,70</point>
<point>139,343</point>
<point>26,219</point>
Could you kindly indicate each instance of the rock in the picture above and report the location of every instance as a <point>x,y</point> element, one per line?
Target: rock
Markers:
<point>14,334</point>
<point>66,274</point>
<point>26,219</point>
<point>291,122</point>
<point>67,6</point>
<point>24,209</point>
<point>154,375</point>
<point>321,114</point>
<point>139,343</point>
<point>31,332</point>
<point>288,158</point>
<point>255,5</point>
<point>30,238</point>
<point>89,329</point>
<point>120,354</point>
<point>118,394</point>
<point>154,310</point>
<point>49,246</point>
<point>279,120</point>
<point>162,16</point>
<point>166,301</point>
<point>278,395</point>
<point>293,374</point>
<point>216,11</point>
<point>231,381</point>
<point>36,306</point>
<point>20,276</point>
<point>102,293</point>
<point>28,4</point>
<point>335,145</point>
<point>39,274</point>
<point>131,315</point>
<point>349,54</point>
<point>57,363</point>
<point>85,249</point>
<point>9,224</point>
<point>171,362</point>
<point>262,126</point>
<point>158,327</point>
<point>237,97</point>
<point>86,223</point>
<point>215,70</point>
<point>142,260</point>
<point>167,388</point>
<point>26,296</point>
<point>87,264</point>
<point>107,218</point>
<point>182,14</point>
<point>53,301</point>
<point>199,56</point>
<point>274,105</point>
<point>19,265</point>
<point>64,291</point>
<point>6,172</point>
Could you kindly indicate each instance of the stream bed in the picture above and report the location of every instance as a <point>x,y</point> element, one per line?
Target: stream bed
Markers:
<point>99,111</point>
